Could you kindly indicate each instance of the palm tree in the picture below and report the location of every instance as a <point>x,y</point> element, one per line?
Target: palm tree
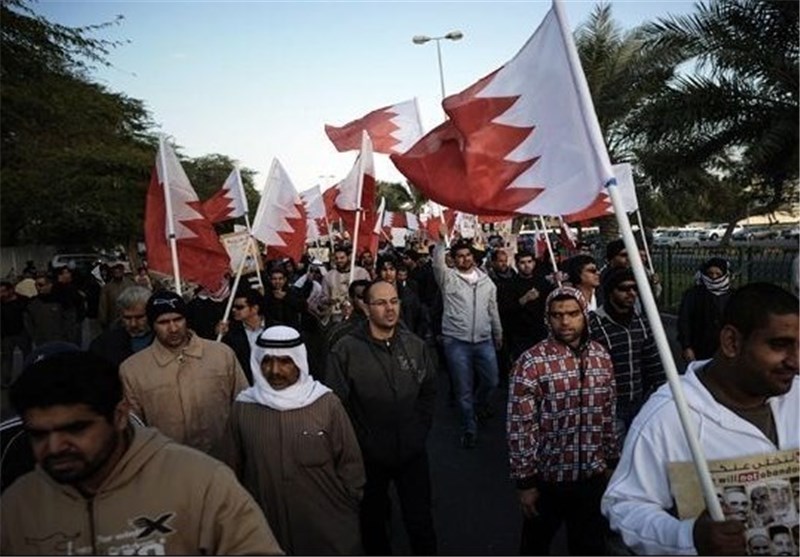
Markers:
<point>726,128</point>
<point>622,72</point>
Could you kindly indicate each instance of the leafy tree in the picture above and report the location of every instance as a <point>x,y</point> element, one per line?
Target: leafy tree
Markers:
<point>400,198</point>
<point>75,156</point>
<point>726,129</point>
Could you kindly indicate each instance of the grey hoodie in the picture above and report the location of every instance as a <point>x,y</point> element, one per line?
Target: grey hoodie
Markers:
<point>470,310</point>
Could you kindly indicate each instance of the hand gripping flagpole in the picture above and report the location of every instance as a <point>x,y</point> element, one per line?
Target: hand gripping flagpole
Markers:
<point>173,243</point>
<point>249,228</point>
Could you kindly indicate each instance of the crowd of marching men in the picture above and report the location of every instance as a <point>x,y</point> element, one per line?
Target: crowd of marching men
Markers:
<point>317,393</point>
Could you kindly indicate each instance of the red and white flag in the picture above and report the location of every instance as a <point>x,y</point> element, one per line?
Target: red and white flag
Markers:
<point>393,129</point>
<point>316,222</point>
<point>601,206</point>
<point>567,237</point>
<point>280,221</point>
<point>201,257</point>
<point>540,245</point>
<point>229,202</point>
<point>522,140</point>
<point>357,192</point>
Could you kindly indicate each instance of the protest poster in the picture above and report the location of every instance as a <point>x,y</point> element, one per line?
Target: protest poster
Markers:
<point>235,243</point>
<point>322,254</point>
<point>761,491</point>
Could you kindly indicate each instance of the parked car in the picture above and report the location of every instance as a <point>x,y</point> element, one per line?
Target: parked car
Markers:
<point>717,231</point>
<point>679,238</point>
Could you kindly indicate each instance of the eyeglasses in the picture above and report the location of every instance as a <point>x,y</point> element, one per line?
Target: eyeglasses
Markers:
<point>626,288</point>
<point>384,303</point>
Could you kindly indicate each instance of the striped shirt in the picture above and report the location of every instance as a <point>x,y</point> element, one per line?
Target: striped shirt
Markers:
<point>560,420</point>
<point>637,365</point>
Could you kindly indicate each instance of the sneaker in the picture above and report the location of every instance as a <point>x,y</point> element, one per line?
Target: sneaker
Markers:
<point>468,441</point>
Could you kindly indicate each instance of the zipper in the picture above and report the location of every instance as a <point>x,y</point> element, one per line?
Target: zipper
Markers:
<point>92,529</point>
<point>474,308</point>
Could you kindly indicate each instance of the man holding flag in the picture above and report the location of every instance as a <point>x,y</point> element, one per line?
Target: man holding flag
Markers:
<point>745,401</point>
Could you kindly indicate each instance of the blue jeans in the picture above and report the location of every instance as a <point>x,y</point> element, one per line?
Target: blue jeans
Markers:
<point>466,360</point>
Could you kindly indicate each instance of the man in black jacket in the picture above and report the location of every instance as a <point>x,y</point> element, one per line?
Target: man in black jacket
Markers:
<point>386,380</point>
<point>130,333</point>
<point>522,301</point>
<point>248,322</point>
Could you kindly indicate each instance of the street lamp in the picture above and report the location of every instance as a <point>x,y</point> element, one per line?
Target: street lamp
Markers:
<point>452,36</point>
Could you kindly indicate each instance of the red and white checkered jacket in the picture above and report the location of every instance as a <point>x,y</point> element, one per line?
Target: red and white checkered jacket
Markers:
<point>560,421</point>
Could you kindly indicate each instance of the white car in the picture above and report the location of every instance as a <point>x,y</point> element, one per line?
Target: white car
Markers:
<point>679,238</point>
<point>717,231</point>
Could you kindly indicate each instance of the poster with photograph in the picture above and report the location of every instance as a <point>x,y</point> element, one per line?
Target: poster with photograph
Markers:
<point>320,254</point>
<point>235,244</point>
<point>761,491</point>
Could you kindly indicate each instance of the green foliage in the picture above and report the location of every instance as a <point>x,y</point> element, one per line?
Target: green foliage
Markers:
<point>400,198</point>
<point>76,157</point>
<point>209,172</point>
<point>726,129</point>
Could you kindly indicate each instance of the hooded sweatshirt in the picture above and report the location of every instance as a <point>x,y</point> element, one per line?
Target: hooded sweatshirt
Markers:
<point>638,501</point>
<point>561,403</point>
<point>161,498</point>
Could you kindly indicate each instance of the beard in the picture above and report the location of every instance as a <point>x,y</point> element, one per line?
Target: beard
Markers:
<point>72,468</point>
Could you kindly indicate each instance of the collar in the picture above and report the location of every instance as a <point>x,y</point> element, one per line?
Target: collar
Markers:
<point>164,356</point>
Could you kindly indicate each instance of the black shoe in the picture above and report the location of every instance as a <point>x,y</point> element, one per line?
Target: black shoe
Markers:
<point>468,441</point>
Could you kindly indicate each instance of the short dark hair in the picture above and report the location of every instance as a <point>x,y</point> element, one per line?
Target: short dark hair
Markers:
<point>524,253</point>
<point>776,529</point>
<point>495,253</point>
<point>360,283</point>
<point>368,289</point>
<point>750,306</point>
<point>69,379</point>
<point>575,265</point>
<point>252,297</point>
<point>457,246</point>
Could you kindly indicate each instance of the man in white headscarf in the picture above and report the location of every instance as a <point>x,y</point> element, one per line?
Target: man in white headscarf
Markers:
<point>292,446</point>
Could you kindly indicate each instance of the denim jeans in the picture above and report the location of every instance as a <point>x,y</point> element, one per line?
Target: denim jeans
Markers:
<point>467,360</point>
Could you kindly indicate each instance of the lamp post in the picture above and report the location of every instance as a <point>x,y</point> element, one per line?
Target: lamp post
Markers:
<point>452,36</point>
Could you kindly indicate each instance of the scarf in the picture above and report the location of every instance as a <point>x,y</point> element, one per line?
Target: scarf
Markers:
<point>281,341</point>
<point>717,287</point>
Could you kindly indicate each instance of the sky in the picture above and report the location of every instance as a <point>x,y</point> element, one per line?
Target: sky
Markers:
<point>257,80</point>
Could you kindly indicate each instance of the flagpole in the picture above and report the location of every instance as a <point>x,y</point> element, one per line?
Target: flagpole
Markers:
<point>644,242</point>
<point>649,305</point>
<point>173,243</point>
<point>247,222</point>
<point>556,274</point>
<point>235,287</point>
<point>355,235</point>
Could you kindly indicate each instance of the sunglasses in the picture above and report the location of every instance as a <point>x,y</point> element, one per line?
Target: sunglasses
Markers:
<point>628,288</point>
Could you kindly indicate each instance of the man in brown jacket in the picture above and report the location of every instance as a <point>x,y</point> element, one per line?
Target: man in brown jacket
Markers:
<point>182,384</point>
<point>104,487</point>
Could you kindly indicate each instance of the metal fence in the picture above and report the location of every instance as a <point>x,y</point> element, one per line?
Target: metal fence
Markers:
<point>751,263</point>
